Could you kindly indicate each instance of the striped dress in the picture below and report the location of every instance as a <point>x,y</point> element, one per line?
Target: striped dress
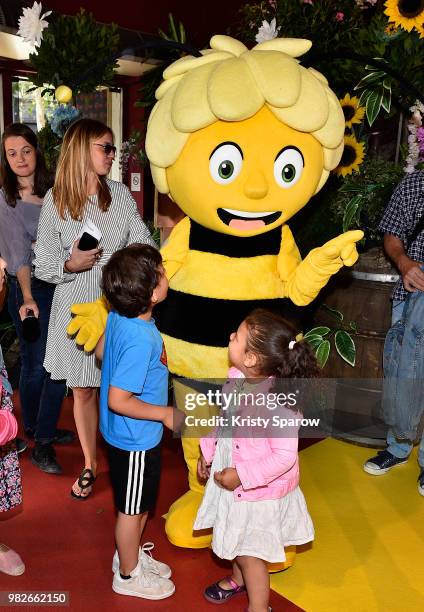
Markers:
<point>120,226</point>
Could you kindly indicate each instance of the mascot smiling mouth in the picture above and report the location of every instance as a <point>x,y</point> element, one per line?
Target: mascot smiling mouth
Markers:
<point>242,220</point>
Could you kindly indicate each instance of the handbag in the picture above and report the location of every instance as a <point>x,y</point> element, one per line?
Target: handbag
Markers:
<point>8,422</point>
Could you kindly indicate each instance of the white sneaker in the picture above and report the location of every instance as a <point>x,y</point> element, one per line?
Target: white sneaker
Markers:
<point>143,584</point>
<point>149,564</point>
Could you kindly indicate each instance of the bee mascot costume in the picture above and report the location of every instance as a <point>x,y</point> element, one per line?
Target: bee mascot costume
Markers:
<point>240,140</point>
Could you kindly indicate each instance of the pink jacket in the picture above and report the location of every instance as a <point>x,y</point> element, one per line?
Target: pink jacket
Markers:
<point>267,467</point>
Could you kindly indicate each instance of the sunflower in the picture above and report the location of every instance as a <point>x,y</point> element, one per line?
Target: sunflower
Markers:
<point>352,158</point>
<point>420,30</point>
<point>407,14</point>
<point>391,28</point>
<point>353,113</point>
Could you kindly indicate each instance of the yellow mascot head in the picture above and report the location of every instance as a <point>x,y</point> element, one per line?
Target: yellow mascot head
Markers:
<point>242,139</point>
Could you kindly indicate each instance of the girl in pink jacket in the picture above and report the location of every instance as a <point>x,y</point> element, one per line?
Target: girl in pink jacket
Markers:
<point>252,499</point>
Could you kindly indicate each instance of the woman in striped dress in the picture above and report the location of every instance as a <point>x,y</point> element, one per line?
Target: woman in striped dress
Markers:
<point>82,195</point>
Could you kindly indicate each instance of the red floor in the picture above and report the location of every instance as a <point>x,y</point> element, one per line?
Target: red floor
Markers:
<point>68,545</point>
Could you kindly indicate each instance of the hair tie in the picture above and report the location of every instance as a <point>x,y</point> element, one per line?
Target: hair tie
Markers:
<point>299,338</point>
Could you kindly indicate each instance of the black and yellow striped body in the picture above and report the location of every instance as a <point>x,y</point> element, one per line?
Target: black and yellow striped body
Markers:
<point>222,279</point>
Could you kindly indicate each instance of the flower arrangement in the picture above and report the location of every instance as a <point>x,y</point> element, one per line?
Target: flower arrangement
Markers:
<point>70,50</point>
<point>32,23</point>
<point>50,145</point>
<point>63,116</point>
<point>415,155</point>
<point>132,150</point>
<point>406,14</point>
<point>375,44</point>
<point>267,31</point>
<point>354,151</point>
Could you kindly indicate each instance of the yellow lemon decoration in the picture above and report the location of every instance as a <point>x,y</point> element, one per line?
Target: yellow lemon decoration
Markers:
<point>63,94</point>
<point>407,14</point>
<point>353,112</point>
<point>352,157</point>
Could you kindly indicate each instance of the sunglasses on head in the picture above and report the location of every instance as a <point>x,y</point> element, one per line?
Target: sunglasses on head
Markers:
<point>107,148</point>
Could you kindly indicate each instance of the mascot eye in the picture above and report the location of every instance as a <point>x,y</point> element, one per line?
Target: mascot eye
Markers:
<point>225,162</point>
<point>288,167</point>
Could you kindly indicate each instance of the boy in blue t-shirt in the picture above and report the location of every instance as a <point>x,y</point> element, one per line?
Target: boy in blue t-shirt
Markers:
<point>133,410</point>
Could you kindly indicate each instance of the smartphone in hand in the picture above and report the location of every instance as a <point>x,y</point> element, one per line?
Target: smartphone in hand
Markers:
<point>30,327</point>
<point>87,242</point>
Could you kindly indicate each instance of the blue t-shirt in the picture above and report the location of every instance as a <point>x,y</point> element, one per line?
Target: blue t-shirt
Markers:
<point>134,359</point>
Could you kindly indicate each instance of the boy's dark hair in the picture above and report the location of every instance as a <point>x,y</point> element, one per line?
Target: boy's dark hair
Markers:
<point>8,179</point>
<point>269,336</point>
<point>129,278</point>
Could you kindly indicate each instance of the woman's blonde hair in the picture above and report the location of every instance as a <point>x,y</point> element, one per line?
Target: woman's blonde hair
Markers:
<point>73,168</point>
<point>230,83</point>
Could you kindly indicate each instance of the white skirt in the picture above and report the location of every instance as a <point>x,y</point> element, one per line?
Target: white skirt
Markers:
<point>260,528</point>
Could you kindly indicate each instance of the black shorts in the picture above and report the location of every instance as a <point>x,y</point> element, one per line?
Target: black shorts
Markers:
<point>135,478</point>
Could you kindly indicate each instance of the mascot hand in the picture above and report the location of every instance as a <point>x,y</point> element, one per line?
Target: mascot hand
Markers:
<point>89,323</point>
<point>313,273</point>
<point>336,252</point>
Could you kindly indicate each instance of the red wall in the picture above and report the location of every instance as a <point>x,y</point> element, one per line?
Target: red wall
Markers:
<point>201,19</point>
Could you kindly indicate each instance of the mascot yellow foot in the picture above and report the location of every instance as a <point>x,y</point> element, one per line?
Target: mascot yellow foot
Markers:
<point>182,514</point>
<point>180,520</point>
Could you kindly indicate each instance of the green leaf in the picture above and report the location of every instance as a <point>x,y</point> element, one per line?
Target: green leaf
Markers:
<point>321,331</point>
<point>387,99</point>
<point>373,104</point>
<point>371,79</point>
<point>346,188</point>
<point>353,326</point>
<point>183,37</point>
<point>172,28</point>
<point>314,341</point>
<point>5,326</point>
<point>364,97</point>
<point>352,208</point>
<point>322,353</point>
<point>345,347</point>
<point>335,313</point>
<point>163,35</point>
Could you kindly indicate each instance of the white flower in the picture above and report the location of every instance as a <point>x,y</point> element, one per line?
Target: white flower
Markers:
<point>32,24</point>
<point>364,4</point>
<point>267,31</point>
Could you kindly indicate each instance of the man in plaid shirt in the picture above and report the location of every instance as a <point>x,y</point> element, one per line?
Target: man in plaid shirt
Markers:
<point>400,219</point>
<point>403,227</point>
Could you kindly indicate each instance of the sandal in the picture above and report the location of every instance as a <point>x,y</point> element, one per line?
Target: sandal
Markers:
<point>85,480</point>
<point>10,562</point>
<point>218,595</point>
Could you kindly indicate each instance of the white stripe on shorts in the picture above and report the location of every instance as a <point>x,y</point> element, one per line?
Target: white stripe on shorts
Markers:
<point>134,482</point>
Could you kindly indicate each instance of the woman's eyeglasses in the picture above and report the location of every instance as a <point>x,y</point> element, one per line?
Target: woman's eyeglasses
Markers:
<point>107,148</point>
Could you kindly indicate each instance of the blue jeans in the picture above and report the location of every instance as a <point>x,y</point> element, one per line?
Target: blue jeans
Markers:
<point>397,310</point>
<point>403,392</point>
<point>41,397</point>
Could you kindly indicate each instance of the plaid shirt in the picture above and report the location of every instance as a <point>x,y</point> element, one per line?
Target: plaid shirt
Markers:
<point>404,211</point>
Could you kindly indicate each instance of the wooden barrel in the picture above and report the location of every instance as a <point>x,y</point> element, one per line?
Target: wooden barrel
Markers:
<point>362,295</point>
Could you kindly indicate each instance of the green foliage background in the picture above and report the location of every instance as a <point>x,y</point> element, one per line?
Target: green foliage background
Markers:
<point>74,51</point>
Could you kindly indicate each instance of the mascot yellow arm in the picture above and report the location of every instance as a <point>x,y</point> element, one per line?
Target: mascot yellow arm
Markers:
<point>90,318</point>
<point>174,251</point>
<point>303,282</point>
